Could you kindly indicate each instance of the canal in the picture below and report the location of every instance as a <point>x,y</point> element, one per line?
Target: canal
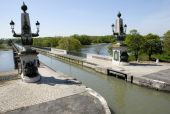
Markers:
<point>6,61</point>
<point>101,49</point>
<point>122,97</point>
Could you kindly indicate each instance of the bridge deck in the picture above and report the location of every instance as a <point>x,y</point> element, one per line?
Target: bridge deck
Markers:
<point>55,93</point>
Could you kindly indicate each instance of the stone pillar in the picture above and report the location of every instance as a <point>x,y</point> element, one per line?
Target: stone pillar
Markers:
<point>120,56</point>
<point>28,57</point>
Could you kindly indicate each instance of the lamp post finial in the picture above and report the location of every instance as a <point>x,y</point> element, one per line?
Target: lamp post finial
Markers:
<point>24,7</point>
<point>119,14</point>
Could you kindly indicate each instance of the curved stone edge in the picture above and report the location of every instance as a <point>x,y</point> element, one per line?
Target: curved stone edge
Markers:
<point>101,99</point>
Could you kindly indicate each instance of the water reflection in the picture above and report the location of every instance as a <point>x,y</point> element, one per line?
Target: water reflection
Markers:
<point>101,49</point>
<point>6,61</point>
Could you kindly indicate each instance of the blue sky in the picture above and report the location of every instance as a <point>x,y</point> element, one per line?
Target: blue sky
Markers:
<point>91,17</point>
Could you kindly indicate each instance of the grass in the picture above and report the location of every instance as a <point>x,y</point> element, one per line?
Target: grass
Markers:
<point>164,57</point>
<point>142,57</point>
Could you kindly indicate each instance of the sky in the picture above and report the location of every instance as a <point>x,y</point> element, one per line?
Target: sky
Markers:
<point>90,17</point>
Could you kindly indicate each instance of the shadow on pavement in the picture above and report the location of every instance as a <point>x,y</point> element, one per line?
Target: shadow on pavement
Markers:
<point>143,64</point>
<point>53,81</point>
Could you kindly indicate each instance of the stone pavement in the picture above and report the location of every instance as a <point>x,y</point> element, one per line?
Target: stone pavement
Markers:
<point>163,75</point>
<point>147,74</point>
<point>135,69</point>
<point>55,93</point>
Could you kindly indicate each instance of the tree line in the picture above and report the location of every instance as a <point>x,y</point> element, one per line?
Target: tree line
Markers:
<point>139,46</point>
<point>3,44</point>
<point>150,45</point>
<point>71,43</point>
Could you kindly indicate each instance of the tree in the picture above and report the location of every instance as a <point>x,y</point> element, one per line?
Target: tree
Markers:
<point>152,45</point>
<point>69,44</point>
<point>84,39</point>
<point>46,42</point>
<point>133,32</point>
<point>135,44</point>
<point>103,39</point>
<point>1,43</point>
<point>167,41</point>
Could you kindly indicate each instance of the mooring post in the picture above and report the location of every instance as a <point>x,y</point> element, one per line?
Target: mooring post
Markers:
<point>126,77</point>
<point>131,79</point>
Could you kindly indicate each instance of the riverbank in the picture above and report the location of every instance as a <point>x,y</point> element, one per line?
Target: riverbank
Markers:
<point>5,47</point>
<point>55,93</point>
<point>148,74</point>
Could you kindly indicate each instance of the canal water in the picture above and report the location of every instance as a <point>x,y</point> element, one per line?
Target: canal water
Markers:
<point>6,61</point>
<point>101,49</point>
<point>122,97</point>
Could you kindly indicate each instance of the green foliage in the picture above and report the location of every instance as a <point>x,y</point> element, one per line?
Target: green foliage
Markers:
<point>3,44</point>
<point>103,39</point>
<point>167,41</point>
<point>142,57</point>
<point>1,41</point>
<point>84,39</point>
<point>143,45</point>
<point>110,49</point>
<point>69,44</point>
<point>135,43</point>
<point>133,32</point>
<point>152,45</point>
<point>87,40</point>
<point>163,57</point>
<point>46,42</point>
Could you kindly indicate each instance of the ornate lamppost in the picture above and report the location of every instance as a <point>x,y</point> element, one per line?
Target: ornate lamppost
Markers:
<point>120,55</point>
<point>28,57</point>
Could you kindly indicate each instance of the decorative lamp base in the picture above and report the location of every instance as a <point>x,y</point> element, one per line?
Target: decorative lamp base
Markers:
<point>30,80</point>
<point>120,55</point>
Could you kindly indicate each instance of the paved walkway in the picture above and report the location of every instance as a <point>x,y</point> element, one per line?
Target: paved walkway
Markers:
<point>55,93</point>
<point>135,69</point>
<point>163,75</point>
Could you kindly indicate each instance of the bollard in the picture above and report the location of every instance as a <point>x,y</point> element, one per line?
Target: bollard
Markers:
<point>108,73</point>
<point>125,77</point>
<point>157,61</point>
<point>131,79</point>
